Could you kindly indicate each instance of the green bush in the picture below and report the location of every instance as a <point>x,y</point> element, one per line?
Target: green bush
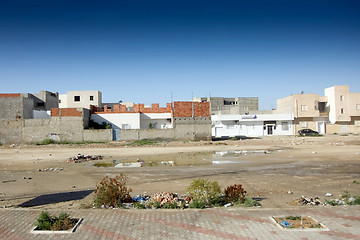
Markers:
<point>111,192</point>
<point>47,222</point>
<point>204,190</point>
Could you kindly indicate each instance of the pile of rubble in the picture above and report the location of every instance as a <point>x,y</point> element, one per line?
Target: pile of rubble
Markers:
<point>83,158</point>
<point>160,199</point>
<point>303,201</point>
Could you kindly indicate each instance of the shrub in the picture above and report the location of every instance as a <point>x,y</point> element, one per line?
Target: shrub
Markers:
<point>111,192</point>
<point>204,190</point>
<point>235,193</point>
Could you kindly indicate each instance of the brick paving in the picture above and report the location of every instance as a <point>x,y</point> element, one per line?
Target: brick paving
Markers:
<point>217,223</point>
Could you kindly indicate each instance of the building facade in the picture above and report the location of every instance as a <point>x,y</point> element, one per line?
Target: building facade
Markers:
<point>80,99</point>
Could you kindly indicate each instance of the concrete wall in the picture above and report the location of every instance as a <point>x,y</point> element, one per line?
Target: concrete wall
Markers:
<point>11,131</point>
<point>11,108</point>
<point>98,135</point>
<point>57,128</point>
<point>184,129</point>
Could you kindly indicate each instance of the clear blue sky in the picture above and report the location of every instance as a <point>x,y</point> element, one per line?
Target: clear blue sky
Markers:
<point>142,51</point>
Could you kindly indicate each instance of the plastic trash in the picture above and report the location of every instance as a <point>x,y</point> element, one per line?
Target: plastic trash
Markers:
<point>285,223</point>
<point>328,195</point>
<point>228,205</point>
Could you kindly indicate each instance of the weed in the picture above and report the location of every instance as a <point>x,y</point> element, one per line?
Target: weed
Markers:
<point>356,182</point>
<point>331,202</point>
<point>218,201</point>
<point>249,202</point>
<point>204,190</point>
<point>111,192</point>
<point>85,206</point>
<point>294,218</point>
<point>47,222</point>
<point>142,143</point>
<point>235,193</point>
<point>195,203</point>
<point>170,205</point>
<point>103,164</point>
<point>46,141</point>
<point>138,205</point>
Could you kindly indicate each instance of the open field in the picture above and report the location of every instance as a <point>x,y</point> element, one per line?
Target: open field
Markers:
<point>310,166</point>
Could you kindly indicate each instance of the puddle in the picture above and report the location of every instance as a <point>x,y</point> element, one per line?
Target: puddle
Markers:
<point>184,159</point>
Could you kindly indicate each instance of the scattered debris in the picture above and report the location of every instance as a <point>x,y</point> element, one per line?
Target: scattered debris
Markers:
<point>290,192</point>
<point>50,169</point>
<point>308,201</point>
<point>83,158</point>
<point>228,205</point>
<point>7,181</point>
<point>12,145</point>
<point>297,222</point>
<point>121,165</point>
<point>328,195</point>
<point>171,163</point>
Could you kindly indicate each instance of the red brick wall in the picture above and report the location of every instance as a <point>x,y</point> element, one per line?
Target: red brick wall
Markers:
<point>138,108</point>
<point>65,112</point>
<point>184,109</point>
<point>9,94</point>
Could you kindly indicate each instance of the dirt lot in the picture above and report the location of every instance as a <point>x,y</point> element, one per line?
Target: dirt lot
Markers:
<point>309,166</point>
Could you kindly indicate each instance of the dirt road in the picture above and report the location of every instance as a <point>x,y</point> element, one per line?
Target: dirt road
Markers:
<point>310,166</point>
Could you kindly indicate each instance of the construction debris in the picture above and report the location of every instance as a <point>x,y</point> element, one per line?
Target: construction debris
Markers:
<point>50,169</point>
<point>83,158</point>
<point>308,201</point>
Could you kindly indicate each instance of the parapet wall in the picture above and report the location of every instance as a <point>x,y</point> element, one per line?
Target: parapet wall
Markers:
<point>191,109</point>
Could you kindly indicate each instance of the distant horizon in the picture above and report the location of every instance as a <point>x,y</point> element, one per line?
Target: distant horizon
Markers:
<point>152,51</point>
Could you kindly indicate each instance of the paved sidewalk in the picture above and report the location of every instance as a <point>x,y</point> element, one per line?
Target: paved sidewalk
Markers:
<point>343,222</point>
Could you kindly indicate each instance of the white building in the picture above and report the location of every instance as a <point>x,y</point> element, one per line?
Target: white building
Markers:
<point>80,99</point>
<point>224,126</point>
<point>134,120</point>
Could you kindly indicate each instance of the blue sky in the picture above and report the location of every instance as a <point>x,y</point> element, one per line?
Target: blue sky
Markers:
<point>146,51</point>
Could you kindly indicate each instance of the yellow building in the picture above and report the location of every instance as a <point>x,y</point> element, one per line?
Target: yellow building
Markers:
<point>336,112</point>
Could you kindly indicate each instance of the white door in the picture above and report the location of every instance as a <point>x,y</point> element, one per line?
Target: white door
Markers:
<point>321,127</point>
<point>344,128</point>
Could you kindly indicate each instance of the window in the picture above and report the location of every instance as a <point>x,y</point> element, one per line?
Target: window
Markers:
<point>357,122</point>
<point>91,98</point>
<point>59,101</point>
<point>342,111</point>
<point>76,98</point>
<point>284,126</point>
<point>358,107</point>
<point>304,108</point>
<point>341,97</point>
<point>303,124</point>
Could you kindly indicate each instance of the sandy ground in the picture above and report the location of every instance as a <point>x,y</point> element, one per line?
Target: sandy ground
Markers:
<point>310,166</point>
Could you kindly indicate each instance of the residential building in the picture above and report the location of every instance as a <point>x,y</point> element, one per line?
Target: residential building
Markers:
<point>336,112</point>
<point>27,105</point>
<point>227,126</point>
<point>238,105</point>
<point>80,99</point>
